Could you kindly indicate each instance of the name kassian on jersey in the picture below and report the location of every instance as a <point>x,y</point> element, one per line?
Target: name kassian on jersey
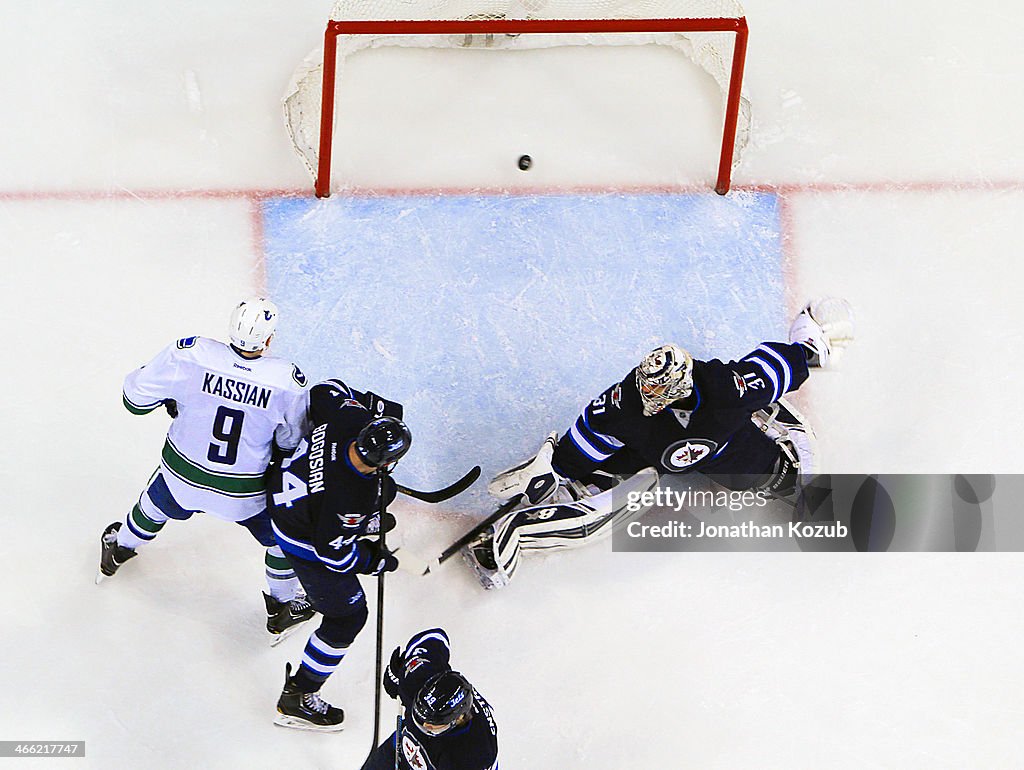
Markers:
<point>236,390</point>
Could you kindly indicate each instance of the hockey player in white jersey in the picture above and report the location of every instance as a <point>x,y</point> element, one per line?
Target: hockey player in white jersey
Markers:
<point>230,404</point>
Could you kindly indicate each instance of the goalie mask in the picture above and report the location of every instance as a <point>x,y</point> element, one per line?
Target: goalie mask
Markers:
<point>252,324</point>
<point>665,375</point>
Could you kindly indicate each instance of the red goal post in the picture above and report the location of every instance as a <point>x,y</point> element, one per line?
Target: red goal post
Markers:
<point>360,24</point>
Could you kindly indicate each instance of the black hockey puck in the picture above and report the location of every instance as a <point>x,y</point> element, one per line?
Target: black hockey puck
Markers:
<point>525,161</point>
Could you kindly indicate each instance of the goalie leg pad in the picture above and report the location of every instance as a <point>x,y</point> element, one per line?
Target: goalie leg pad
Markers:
<point>558,525</point>
<point>796,439</point>
<point>535,479</point>
<point>573,524</point>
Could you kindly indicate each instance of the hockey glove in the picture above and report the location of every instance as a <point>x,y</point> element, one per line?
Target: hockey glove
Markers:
<point>279,454</point>
<point>380,407</point>
<point>171,406</point>
<point>391,680</point>
<point>373,560</point>
<point>825,328</point>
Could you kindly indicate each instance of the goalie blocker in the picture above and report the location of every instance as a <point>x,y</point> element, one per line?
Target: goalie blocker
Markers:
<point>577,514</point>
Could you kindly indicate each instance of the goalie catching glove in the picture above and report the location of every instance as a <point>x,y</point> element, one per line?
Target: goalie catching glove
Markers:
<point>825,328</point>
<point>535,479</point>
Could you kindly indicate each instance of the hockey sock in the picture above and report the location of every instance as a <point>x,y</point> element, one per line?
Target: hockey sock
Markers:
<point>281,579</point>
<point>319,660</point>
<point>140,527</point>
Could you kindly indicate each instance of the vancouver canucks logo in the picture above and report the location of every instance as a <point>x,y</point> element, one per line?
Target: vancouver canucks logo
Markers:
<point>298,376</point>
<point>683,454</point>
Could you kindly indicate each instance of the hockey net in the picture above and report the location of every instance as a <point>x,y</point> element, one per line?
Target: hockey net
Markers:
<point>711,33</point>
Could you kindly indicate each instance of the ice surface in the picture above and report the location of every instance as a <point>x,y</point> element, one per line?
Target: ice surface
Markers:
<point>495,319</point>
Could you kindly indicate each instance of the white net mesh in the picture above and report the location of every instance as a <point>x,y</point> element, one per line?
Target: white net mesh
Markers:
<point>712,51</point>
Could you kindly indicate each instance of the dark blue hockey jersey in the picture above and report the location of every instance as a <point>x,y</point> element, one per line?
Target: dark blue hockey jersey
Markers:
<point>710,431</point>
<point>473,746</point>
<point>319,503</point>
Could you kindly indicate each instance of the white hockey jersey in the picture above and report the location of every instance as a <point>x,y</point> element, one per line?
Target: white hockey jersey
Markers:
<point>230,411</point>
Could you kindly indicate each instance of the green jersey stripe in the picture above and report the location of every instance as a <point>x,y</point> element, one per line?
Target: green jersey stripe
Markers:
<point>137,409</point>
<point>235,485</point>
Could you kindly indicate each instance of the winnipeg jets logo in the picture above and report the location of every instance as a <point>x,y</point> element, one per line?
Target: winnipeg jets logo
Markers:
<point>683,454</point>
<point>413,753</point>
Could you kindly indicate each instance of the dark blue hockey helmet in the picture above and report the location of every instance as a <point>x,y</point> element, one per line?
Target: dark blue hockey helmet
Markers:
<point>443,702</point>
<point>383,442</point>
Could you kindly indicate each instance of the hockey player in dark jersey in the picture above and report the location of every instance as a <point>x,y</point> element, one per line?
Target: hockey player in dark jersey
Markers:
<point>670,414</point>
<point>447,723</point>
<point>324,502</point>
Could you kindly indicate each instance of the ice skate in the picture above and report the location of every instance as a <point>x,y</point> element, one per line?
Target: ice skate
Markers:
<point>112,555</point>
<point>479,555</point>
<point>284,617</point>
<point>306,710</point>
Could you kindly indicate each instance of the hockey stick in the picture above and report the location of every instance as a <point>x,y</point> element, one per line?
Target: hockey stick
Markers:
<point>413,562</point>
<point>448,492</point>
<point>380,621</point>
<point>398,737</point>
<point>467,538</point>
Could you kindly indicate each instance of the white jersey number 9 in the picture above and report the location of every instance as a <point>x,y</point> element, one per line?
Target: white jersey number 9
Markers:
<point>227,429</point>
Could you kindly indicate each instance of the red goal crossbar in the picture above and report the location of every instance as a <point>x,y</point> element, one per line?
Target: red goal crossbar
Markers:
<point>737,25</point>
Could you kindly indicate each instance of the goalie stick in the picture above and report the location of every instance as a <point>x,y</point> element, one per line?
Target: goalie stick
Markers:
<point>474,533</point>
<point>448,492</point>
<point>413,562</point>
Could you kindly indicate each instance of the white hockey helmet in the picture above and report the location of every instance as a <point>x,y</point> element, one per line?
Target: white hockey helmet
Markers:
<point>663,376</point>
<point>252,324</point>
